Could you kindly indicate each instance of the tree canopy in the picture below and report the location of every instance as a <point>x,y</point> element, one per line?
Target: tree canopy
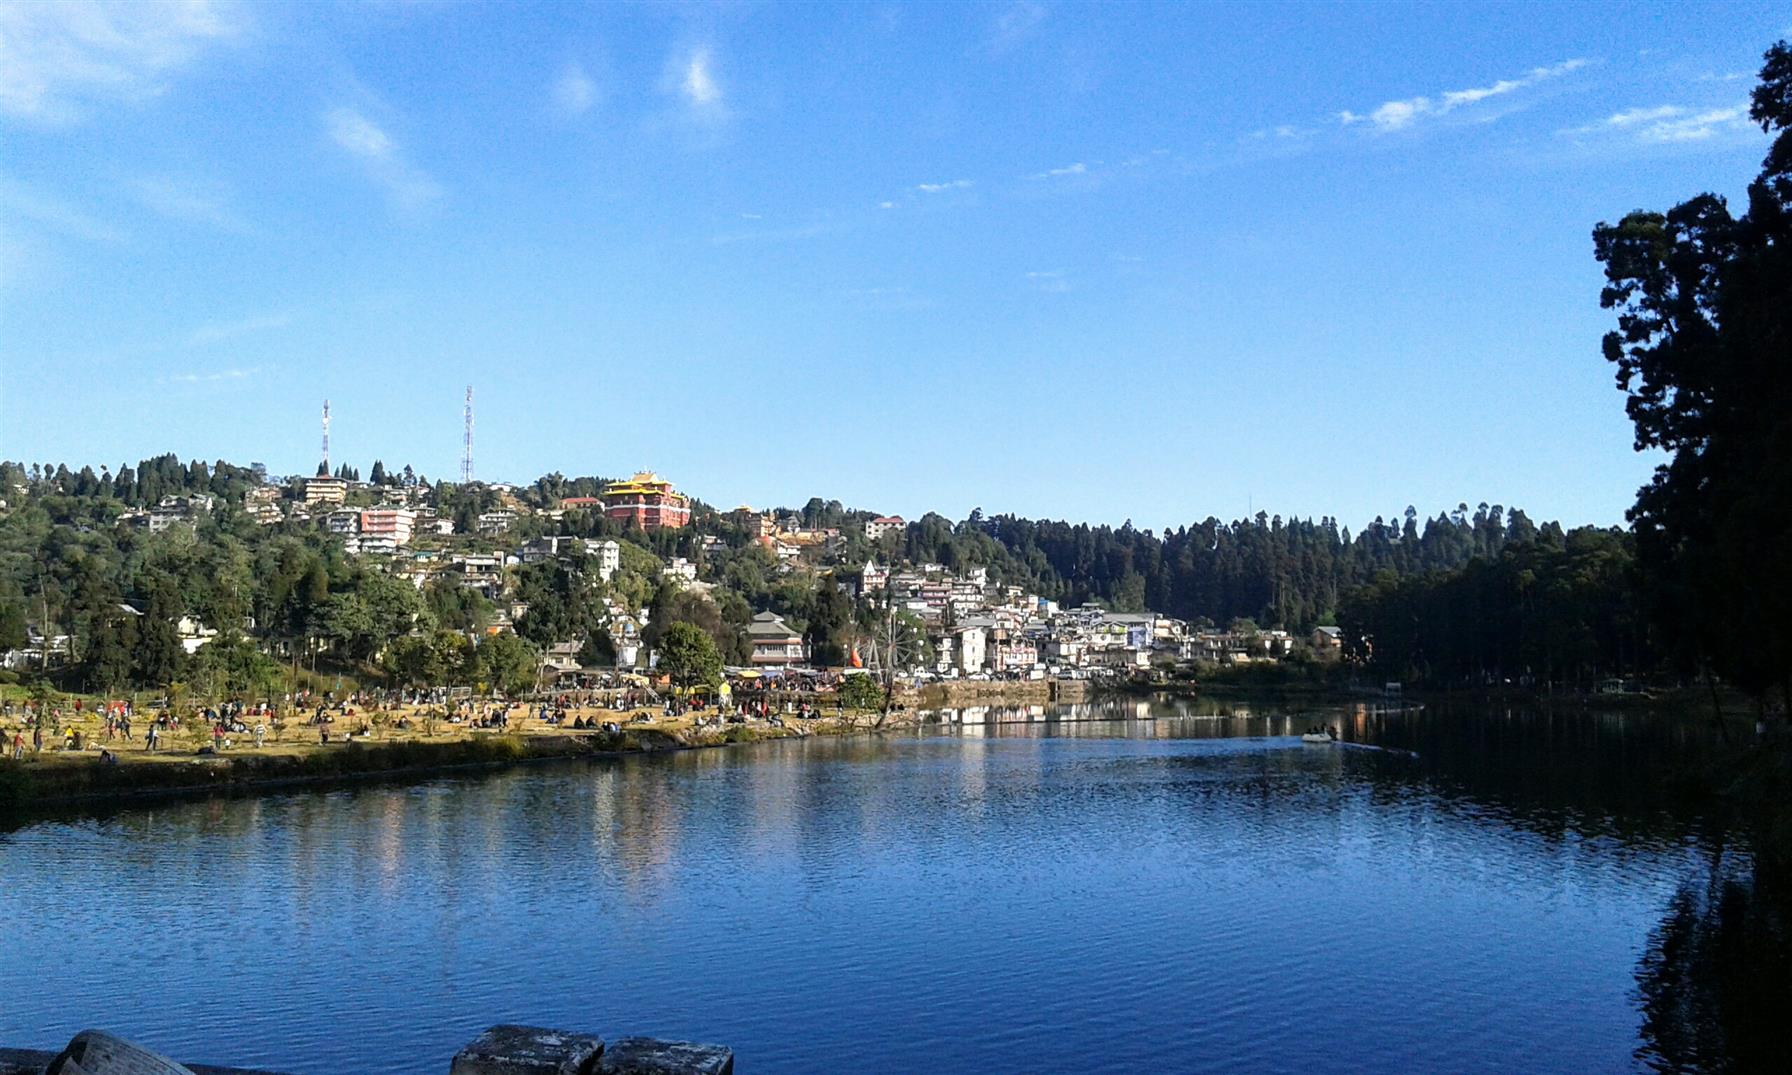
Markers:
<point>1703,350</point>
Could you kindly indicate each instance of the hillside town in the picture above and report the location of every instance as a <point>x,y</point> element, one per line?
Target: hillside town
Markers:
<point>913,620</point>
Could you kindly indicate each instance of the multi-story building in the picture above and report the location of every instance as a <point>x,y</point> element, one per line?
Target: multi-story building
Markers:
<point>343,522</point>
<point>756,524</point>
<point>172,511</point>
<point>371,545</point>
<point>549,547</point>
<point>608,555</point>
<point>648,501</point>
<point>480,572</point>
<point>325,490</point>
<point>884,524</point>
<point>496,522</point>
<point>262,503</point>
<point>775,645</point>
<point>399,524</point>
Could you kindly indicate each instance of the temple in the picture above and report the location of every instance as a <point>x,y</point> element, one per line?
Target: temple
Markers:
<point>649,501</point>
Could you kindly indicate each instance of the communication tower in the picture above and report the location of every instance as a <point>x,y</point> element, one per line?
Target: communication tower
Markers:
<point>466,452</point>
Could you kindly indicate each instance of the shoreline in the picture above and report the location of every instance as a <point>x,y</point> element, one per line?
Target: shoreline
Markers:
<point>47,786</point>
<point>55,782</point>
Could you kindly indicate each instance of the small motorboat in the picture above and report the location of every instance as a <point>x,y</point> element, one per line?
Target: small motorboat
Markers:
<point>1318,737</point>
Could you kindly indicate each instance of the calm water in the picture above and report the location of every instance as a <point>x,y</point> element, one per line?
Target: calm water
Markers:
<point>1178,894</point>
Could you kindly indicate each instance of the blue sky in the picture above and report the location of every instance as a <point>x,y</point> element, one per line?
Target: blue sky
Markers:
<point>1087,262</point>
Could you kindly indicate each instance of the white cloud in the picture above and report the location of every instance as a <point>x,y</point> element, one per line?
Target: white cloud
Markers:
<point>1697,126</point>
<point>1079,168</point>
<point>220,375</point>
<point>698,83</point>
<point>359,135</point>
<point>1052,281</point>
<point>1015,24</point>
<point>1643,115</point>
<point>814,230</point>
<point>892,298</point>
<point>409,188</point>
<point>219,331</point>
<point>60,60</point>
<point>1401,114</point>
<point>941,188</point>
<point>574,91</point>
<point>52,212</point>
<point>1668,124</point>
<point>886,205</point>
<point>179,199</point>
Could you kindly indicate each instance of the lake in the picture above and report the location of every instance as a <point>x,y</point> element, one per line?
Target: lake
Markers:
<point>1456,889</point>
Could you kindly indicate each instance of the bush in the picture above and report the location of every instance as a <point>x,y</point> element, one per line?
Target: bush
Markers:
<point>861,692</point>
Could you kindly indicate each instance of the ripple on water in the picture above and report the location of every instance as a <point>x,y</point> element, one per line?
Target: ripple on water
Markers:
<point>937,904</point>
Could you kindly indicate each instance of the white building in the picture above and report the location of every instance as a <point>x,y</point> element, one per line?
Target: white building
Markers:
<point>886,524</point>
<point>496,522</point>
<point>609,557</point>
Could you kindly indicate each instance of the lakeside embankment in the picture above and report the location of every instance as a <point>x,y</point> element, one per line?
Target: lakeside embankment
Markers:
<point>401,748</point>
<point>54,778</point>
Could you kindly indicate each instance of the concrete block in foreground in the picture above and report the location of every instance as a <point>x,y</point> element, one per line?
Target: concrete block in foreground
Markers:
<point>528,1050</point>
<point>650,1056</point>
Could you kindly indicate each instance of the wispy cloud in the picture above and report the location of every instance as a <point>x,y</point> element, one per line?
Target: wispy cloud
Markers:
<point>1401,114</point>
<point>218,331</point>
<point>574,91</point>
<point>1079,168</point>
<point>1052,281</point>
<point>409,188</point>
<point>52,212</point>
<point>1015,23</point>
<point>899,297</point>
<point>699,85</point>
<point>693,80</point>
<point>1284,132</point>
<point>812,230</point>
<point>1668,124</point>
<point>58,61</point>
<point>941,188</point>
<point>240,374</point>
<point>184,200</point>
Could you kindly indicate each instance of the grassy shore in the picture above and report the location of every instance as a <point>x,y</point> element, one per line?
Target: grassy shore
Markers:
<point>57,776</point>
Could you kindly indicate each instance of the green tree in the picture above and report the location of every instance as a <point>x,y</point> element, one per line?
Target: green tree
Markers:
<point>507,663</point>
<point>861,692</point>
<point>688,655</point>
<point>1704,302</point>
<point>13,633</point>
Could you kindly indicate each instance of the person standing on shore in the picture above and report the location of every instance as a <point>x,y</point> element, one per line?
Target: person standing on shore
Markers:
<point>18,746</point>
<point>149,738</point>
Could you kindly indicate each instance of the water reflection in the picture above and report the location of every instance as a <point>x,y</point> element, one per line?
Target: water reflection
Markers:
<point>1714,980</point>
<point>996,891</point>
